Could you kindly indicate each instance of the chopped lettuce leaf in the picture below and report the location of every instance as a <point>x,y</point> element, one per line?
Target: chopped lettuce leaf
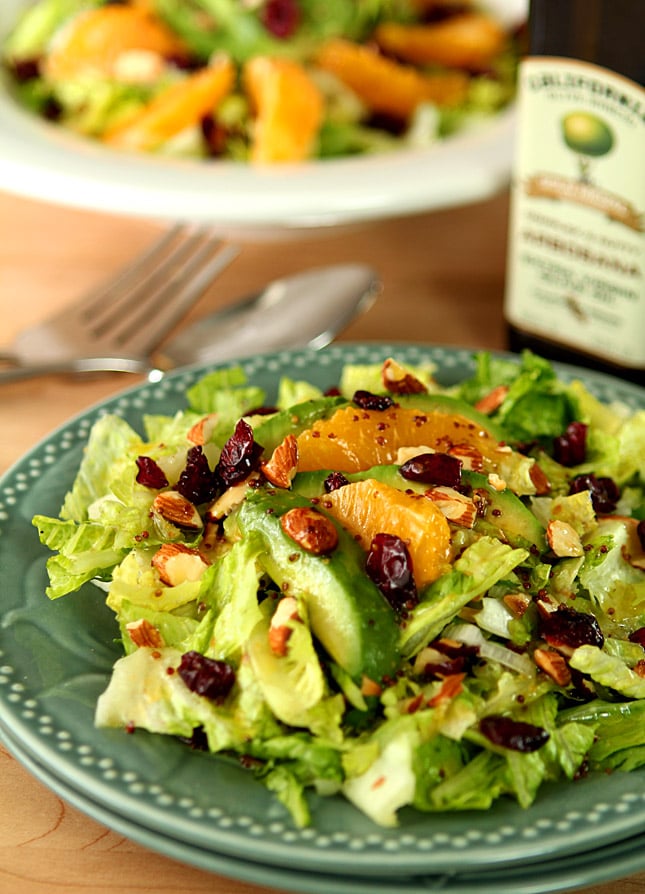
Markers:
<point>608,670</point>
<point>479,567</point>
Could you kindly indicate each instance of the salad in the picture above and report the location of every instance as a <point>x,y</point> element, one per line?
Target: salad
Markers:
<point>264,82</point>
<point>409,595</point>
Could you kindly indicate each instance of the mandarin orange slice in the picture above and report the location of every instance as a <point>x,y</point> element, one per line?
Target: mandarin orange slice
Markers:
<point>352,439</point>
<point>288,107</point>
<point>95,38</point>
<point>470,41</point>
<point>181,105</point>
<point>369,507</point>
<point>385,85</point>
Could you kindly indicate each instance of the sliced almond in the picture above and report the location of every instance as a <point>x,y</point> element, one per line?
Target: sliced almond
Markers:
<point>231,498</point>
<point>177,563</point>
<point>517,602</point>
<point>176,509</point>
<point>539,479</point>
<point>403,454</point>
<point>281,468</point>
<point>632,549</point>
<point>200,433</point>
<point>370,687</point>
<point>496,482</point>
<point>456,507</point>
<point>563,539</point>
<point>471,458</point>
<point>310,529</point>
<point>553,666</point>
<point>493,400</point>
<point>279,629</point>
<point>144,634</point>
<point>397,380</point>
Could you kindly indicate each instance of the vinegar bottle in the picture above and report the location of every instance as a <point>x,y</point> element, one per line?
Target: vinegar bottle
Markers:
<point>575,286</point>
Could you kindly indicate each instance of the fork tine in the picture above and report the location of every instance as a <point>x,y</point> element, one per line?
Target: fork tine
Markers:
<point>158,309</point>
<point>99,299</point>
<point>133,312</point>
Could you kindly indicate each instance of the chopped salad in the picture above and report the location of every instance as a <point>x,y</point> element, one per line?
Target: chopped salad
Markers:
<point>409,595</point>
<point>265,82</point>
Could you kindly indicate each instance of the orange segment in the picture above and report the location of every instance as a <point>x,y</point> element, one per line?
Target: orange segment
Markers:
<point>368,507</point>
<point>95,38</point>
<point>386,86</point>
<point>179,106</point>
<point>353,439</point>
<point>471,41</point>
<point>288,107</point>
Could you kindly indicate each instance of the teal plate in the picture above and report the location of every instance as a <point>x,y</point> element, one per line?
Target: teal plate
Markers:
<point>604,864</point>
<point>56,657</point>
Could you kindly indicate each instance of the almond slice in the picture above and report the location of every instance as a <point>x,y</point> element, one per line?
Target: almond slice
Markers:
<point>563,539</point>
<point>310,529</point>
<point>177,563</point>
<point>281,468</point>
<point>176,509</point>
<point>202,430</point>
<point>553,666</point>
<point>144,634</point>
<point>456,507</point>
<point>397,380</point>
<point>279,631</point>
<point>493,400</point>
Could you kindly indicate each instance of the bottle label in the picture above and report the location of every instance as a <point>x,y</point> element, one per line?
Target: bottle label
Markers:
<point>576,268</point>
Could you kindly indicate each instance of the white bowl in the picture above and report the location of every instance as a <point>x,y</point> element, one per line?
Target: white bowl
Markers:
<point>40,160</point>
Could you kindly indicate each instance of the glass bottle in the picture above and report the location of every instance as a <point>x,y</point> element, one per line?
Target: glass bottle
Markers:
<point>576,258</point>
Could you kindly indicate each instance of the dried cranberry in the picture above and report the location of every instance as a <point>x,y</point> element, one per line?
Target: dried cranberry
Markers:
<point>198,741</point>
<point>570,448</point>
<point>333,481</point>
<point>240,455</point>
<point>389,566</point>
<point>281,17</point>
<point>604,492</point>
<point>433,468</point>
<point>206,676</point>
<point>197,483</point>
<point>333,391</point>
<point>149,474</point>
<point>638,636</point>
<point>368,401</point>
<point>25,69</point>
<point>513,734</point>
<point>444,667</point>
<point>568,628</point>
<point>215,135</point>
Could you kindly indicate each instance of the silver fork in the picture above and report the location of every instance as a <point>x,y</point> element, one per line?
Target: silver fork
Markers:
<point>115,327</point>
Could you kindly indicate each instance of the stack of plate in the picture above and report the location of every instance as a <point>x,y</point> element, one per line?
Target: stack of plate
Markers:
<point>56,657</point>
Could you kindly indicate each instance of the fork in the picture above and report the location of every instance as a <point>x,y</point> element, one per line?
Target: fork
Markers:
<point>115,327</point>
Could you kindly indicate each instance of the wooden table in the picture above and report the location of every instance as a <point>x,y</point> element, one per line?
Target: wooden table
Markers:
<point>443,277</point>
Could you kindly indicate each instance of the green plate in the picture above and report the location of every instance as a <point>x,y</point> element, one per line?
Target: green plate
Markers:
<point>605,864</point>
<point>56,657</point>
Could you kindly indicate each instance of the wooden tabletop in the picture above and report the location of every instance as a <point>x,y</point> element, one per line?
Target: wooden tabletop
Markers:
<point>443,277</point>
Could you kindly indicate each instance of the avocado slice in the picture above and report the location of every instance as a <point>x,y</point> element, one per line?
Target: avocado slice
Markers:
<point>348,614</point>
<point>505,516</point>
<point>272,430</point>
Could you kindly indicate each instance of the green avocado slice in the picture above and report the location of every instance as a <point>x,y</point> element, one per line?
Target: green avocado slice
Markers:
<point>348,614</point>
